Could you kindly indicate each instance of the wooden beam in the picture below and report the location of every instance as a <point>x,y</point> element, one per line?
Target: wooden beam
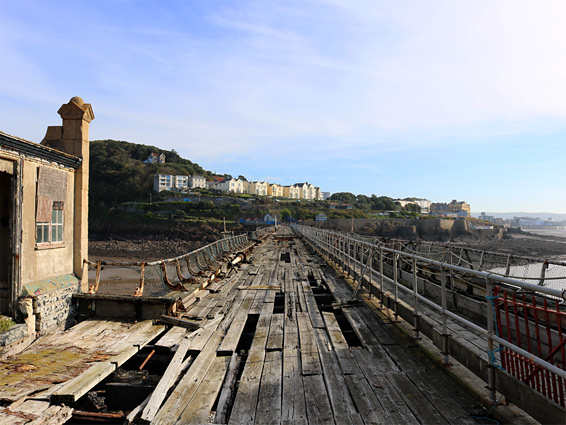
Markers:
<point>184,323</point>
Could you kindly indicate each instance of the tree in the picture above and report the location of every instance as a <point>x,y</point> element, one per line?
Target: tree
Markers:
<point>242,178</point>
<point>346,197</point>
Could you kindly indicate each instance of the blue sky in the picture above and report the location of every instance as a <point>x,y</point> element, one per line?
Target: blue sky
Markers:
<point>444,100</point>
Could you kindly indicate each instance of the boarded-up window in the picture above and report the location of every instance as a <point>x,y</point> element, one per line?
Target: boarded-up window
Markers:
<point>50,202</point>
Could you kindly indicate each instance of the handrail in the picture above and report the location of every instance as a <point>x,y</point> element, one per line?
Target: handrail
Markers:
<point>349,251</point>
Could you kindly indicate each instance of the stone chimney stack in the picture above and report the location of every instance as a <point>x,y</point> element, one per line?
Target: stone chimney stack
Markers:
<point>72,138</point>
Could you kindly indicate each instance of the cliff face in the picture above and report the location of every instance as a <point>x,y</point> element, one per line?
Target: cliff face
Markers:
<point>441,230</point>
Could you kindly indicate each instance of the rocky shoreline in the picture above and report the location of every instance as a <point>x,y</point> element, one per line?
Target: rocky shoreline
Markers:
<point>138,249</point>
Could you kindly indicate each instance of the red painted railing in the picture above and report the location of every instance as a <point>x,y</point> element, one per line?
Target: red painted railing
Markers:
<point>538,327</point>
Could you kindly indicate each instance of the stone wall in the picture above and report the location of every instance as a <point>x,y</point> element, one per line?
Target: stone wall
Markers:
<point>54,310</point>
<point>441,230</point>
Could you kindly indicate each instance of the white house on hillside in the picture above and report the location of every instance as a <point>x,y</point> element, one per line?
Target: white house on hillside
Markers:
<point>168,182</point>
<point>197,181</point>
<point>155,158</point>
<point>257,188</point>
<point>230,186</point>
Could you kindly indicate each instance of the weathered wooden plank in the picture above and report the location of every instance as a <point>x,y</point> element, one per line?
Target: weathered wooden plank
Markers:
<point>230,341</point>
<point>310,362</point>
<point>300,297</point>
<point>343,353</point>
<point>436,388</point>
<point>259,288</point>
<point>244,408</point>
<point>79,386</point>
<point>198,410</point>
<point>172,337</point>
<point>199,338</point>
<point>369,339</point>
<point>393,403</point>
<point>340,399</point>
<point>319,410</point>
<point>228,388</point>
<point>269,400</point>
<point>366,402</point>
<point>275,338</point>
<point>166,382</point>
<point>54,415</point>
<point>293,406</point>
<point>187,387</point>
<point>313,310</point>
<point>184,323</point>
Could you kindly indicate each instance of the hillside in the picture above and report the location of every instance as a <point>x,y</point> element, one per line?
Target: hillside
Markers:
<point>118,173</point>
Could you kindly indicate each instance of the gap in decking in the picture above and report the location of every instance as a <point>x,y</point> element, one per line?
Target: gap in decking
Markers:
<point>286,257</point>
<point>242,349</point>
<point>279,303</point>
<point>347,330</point>
<point>247,335</point>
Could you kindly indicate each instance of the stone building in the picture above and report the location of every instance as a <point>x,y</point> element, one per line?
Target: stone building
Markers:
<point>453,209</point>
<point>44,222</point>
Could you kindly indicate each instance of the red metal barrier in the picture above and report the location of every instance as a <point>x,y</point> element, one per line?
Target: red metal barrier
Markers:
<point>517,317</point>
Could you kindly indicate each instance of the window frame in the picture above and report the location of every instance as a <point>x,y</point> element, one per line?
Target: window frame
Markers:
<point>57,223</point>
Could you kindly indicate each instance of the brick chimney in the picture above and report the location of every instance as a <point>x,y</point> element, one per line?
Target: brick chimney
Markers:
<point>72,138</point>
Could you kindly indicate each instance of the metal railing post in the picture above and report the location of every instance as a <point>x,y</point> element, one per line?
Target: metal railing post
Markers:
<point>445,335</point>
<point>490,331</point>
<point>381,276</point>
<point>415,301</point>
<point>395,288</point>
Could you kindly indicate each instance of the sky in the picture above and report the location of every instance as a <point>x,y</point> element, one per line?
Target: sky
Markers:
<point>433,99</point>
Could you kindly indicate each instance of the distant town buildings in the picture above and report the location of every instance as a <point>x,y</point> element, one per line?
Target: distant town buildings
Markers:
<point>453,209</point>
<point>424,204</point>
<point>168,182</point>
<point>326,195</point>
<point>197,181</point>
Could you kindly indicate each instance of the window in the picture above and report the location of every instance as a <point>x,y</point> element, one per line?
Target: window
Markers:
<point>51,233</point>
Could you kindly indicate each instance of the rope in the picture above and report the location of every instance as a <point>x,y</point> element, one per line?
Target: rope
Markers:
<point>491,353</point>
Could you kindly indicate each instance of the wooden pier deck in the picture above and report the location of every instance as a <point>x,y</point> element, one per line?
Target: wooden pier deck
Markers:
<point>280,343</point>
<point>291,349</point>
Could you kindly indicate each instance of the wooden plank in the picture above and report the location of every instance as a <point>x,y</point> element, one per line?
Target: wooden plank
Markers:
<point>199,338</point>
<point>293,406</point>
<point>369,339</point>
<point>300,297</point>
<point>187,387</point>
<point>310,362</point>
<point>198,410</point>
<point>166,382</point>
<point>341,348</point>
<point>227,393</point>
<point>436,388</point>
<point>259,288</point>
<point>230,341</point>
<point>54,415</point>
<point>275,339</point>
<point>184,323</point>
<point>367,404</point>
<point>172,337</point>
<point>392,401</point>
<point>338,394</point>
<point>269,400</point>
<point>80,385</point>
<point>319,410</point>
<point>244,408</point>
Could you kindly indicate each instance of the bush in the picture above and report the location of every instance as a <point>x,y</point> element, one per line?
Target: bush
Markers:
<point>6,323</point>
